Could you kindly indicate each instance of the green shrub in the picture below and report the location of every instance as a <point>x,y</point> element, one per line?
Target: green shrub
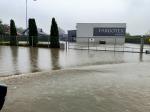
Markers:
<point>13,33</point>
<point>33,33</point>
<point>54,35</point>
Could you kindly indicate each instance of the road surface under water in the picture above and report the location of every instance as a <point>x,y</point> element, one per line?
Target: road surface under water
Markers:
<point>20,60</point>
<point>98,88</point>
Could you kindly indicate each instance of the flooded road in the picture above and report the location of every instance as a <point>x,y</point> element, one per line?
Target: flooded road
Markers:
<point>75,81</point>
<point>108,88</point>
<point>20,60</point>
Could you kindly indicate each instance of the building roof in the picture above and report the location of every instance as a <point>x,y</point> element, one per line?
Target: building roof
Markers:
<point>40,32</point>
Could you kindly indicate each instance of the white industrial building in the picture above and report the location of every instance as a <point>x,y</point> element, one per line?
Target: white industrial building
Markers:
<point>102,33</point>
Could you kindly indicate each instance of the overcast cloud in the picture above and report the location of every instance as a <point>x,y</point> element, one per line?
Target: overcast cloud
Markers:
<point>136,13</point>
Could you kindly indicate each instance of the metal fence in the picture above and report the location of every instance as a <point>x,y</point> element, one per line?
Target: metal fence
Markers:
<point>43,41</point>
<point>133,48</point>
<point>23,39</point>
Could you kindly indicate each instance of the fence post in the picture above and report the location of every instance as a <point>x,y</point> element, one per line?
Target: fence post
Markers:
<point>115,45</point>
<point>96,47</point>
<point>2,39</point>
<point>66,42</point>
<point>48,41</point>
<point>142,44</point>
<point>32,41</point>
<point>17,40</point>
<point>88,43</point>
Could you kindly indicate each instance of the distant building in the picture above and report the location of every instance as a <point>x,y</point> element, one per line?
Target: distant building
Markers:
<point>62,34</point>
<point>40,32</point>
<point>72,34</point>
<point>102,33</point>
<point>7,30</point>
<point>63,37</point>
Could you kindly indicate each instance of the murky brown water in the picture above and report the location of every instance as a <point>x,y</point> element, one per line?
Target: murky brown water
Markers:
<point>19,60</point>
<point>107,88</point>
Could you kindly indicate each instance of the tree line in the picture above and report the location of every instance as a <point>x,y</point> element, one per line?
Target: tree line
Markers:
<point>33,33</point>
<point>4,29</point>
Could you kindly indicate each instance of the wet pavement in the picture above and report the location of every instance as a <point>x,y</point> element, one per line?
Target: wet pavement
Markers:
<point>108,88</point>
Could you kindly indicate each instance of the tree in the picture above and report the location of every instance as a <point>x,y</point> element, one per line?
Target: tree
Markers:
<point>13,33</point>
<point>148,33</point>
<point>1,28</point>
<point>54,35</point>
<point>128,35</point>
<point>33,33</point>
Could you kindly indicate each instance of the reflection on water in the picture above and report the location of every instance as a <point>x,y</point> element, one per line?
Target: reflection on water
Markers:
<point>14,56</point>
<point>141,57</point>
<point>55,59</point>
<point>19,60</point>
<point>33,58</point>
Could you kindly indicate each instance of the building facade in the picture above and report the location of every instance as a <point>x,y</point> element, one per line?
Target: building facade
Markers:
<point>72,35</point>
<point>102,33</point>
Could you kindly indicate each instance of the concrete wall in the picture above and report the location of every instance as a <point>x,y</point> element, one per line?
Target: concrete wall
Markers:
<point>85,31</point>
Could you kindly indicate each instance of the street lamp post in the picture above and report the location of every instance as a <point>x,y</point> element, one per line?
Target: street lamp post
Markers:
<point>27,16</point>
<point>27,13</point>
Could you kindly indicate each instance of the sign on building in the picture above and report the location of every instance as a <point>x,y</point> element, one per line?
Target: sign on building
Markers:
<point>91,39</point>
<point>109,31</point>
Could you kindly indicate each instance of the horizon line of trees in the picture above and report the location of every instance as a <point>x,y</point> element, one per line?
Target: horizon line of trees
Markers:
<point>33,33</point>
<point>4,29</point>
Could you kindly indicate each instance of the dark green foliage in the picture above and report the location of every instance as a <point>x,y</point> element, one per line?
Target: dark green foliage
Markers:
<point>54,35</point>
<point>133,39</point>
<point>33,33</point>
<point>1,28</point>
<point>147,40</point>
<point>128,35</point>
<point>13,33</point>
<point>137,39</point>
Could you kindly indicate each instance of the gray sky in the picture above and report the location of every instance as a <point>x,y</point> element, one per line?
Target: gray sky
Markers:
<point>136,13</point>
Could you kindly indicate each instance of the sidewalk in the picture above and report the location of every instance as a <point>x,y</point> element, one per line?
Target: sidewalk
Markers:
<point>104,88</point>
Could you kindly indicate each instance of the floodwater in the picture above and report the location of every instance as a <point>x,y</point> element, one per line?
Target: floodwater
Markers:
<point>107,88</point>
<point>118,88</point>
<point>20,60</point>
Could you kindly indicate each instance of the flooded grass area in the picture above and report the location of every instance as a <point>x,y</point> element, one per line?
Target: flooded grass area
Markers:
<point>20,60</point>
<point>75,80</point>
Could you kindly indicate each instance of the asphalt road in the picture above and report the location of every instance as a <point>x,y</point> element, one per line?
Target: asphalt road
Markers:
<point>105,88</point>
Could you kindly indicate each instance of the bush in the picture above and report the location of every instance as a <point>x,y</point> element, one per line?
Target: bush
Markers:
<point>33,33</point>
<point>13,33</point>
<point>136,39</point>
<point>54,35</point>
